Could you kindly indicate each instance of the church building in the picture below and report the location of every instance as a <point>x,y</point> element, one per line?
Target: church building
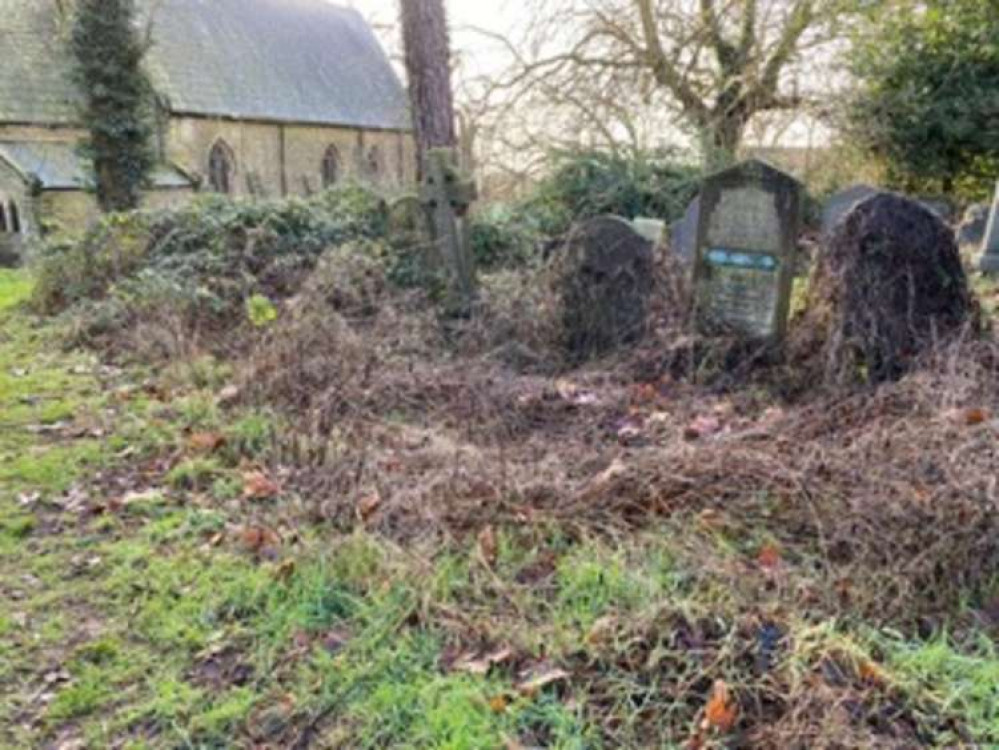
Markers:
<point>254,98</point>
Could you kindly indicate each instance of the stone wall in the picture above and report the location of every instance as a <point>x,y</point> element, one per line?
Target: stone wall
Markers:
<point>75,209</point>
<point>279,158</point>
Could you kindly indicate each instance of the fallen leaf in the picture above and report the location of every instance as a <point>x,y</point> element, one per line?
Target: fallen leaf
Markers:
<point>645,392</point>
<point>603,630</point>
<point>871,673</point>
<point>285,570</point>
<point>257,539</point>
<point>480,667</point>
<point>769,557</point>
<point>537,681</point>
<point>228,394</point>
<point>368,506</point>
<point>498,704</point>
<point>974,417</point>
<point>258,486</point>
<point>206,442</point>
<point>703,426</point>
<point>488,548</point>
<point>710,519</point>
<point>720,713</point>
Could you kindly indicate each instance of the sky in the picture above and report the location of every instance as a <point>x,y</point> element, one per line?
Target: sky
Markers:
<point>498,16</point>
<point>478,56</point>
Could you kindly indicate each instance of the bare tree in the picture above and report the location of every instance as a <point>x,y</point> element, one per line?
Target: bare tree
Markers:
<point>716,63</point>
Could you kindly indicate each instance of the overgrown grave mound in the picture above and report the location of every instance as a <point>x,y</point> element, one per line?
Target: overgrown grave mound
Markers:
<point>888,287</point>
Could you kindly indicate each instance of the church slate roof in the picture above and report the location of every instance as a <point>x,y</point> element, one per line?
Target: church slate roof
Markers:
<point>59,166</point>
<point>301,61</point>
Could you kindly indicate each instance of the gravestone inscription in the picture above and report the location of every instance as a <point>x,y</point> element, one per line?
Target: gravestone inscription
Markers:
<point>990,249</point>
<point>746,244</point>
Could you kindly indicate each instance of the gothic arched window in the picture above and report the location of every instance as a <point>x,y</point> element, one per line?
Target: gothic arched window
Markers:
<point>15,218</point>
<point>331,167</point>
<point>221,168</point>
<point>3,218</point>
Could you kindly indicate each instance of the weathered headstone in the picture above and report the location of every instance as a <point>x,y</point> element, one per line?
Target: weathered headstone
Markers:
<point>942,207</point>
<point>840,204</point>
<point>746,243</point>
<point>683,233</point>
<point>971,232</point>
<point>893,286</point>
<point>654,230</point>
<point>989,262</point>
<point>606,279</point>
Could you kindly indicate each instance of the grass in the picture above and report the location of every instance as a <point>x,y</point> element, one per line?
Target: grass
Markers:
<point>160,623</point>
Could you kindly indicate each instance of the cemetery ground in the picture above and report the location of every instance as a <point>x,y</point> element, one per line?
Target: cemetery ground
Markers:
<point>460,550</point>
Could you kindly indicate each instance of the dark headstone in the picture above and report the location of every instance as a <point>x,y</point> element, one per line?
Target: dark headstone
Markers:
<point>746,245</point>
<point>683,233</point>
<point>892,276</point>
<point>606,277</point>
<point>841,203</point>
<point>942,207</point>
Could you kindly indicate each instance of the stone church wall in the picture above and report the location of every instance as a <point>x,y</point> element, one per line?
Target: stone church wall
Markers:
<point>277,158</point>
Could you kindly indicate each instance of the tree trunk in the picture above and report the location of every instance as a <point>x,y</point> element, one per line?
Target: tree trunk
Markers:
<point>444,193</point>
<point>428,64</point>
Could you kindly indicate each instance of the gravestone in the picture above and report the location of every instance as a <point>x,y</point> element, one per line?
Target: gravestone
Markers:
<point>606,278</point>
<point>840,204</point>
<point>683,233</point>
<point>654,230</point>
<point>989,262</point>
<point>940,206</point>
<point>746,244</point>
<point>971,232</point>
<point>447,193</point>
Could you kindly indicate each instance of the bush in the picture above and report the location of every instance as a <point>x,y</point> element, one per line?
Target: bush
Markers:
<point>582,185</point>
<point>205,259</point>
<point>585,184</point>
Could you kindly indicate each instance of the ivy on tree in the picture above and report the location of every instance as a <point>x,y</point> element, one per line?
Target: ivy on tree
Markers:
<point>108,51</point>
<point>928,103</point>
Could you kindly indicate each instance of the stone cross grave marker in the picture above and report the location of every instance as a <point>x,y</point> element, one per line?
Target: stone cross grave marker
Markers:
<point>989,262</point>
<point>746,243</point>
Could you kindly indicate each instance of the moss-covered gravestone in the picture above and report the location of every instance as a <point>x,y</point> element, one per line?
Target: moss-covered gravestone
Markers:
<point>606,277</point>
<point>746,243</point>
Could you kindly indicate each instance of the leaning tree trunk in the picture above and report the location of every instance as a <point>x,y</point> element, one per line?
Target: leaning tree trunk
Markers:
<point>445,193</point>
<point>428,65</point>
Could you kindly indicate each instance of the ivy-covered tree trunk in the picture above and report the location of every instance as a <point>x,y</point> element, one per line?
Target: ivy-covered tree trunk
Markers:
<point>108,51</point>
<point>428,66</point>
